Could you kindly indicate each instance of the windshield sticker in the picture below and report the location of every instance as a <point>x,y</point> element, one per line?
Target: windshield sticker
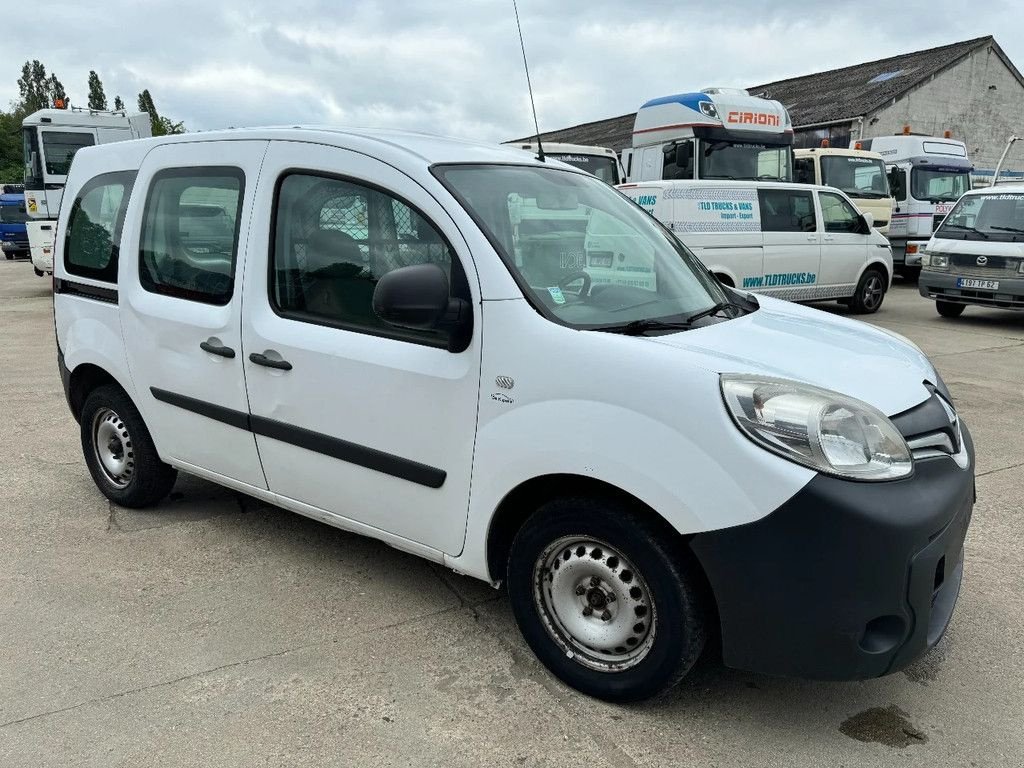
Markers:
<point>1004,196</point>
<point>556,295</point>
<point>780,279</point>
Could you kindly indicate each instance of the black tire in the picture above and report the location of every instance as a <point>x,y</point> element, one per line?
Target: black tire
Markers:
<point>108,417</point>
<point>910,274</point>
<point>37,271</point>
<point>676,628</point>
<point>870,292</point>
<point>949,308</point>
<point>10,256</point>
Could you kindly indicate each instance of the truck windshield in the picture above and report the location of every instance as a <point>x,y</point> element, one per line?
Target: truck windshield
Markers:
<point>996,216</point>
<point>605,167</point>
<point>744,160</point>
<point>33,160</point>
<point>583,254</point>
<point>856,176</point>
<point>13,214</point>
<point>59,148</point>
<point>938,185</point>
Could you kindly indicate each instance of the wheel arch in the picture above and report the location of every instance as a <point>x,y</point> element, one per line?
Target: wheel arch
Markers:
<point>83,380</point>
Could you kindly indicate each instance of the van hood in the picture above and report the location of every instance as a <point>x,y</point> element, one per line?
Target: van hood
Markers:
<point>976,247</point>
<point>795,342</point>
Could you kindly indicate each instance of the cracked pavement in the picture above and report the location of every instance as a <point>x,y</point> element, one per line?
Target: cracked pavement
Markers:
<point>218,630</point>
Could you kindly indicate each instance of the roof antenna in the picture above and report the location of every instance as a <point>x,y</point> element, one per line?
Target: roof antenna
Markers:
<point>536,125</point>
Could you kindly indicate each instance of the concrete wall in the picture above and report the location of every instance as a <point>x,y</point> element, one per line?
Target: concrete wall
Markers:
<point>979,100</point>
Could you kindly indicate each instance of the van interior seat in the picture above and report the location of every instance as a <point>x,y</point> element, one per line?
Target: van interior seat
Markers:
<point>336,284</point>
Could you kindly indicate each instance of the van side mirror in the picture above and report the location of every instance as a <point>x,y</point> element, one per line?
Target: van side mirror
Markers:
<point>418,298</point>
<point>869,220</point>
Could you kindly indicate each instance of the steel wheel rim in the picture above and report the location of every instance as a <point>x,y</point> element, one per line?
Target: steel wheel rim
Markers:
<point>112,446</point>
<point>594,603</point>
<point>873,292</point>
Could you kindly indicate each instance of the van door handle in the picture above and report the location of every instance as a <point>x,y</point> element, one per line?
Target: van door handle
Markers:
<point>811,238</point>
<point>830,238</point>
<point>212,346</point>
<point>261,359</point>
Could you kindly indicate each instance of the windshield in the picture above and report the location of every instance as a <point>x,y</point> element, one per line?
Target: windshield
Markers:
<point>585,255</point>
<point>59,148</point>
<point>938,185</point>
<point>31,158</point>
<point>856,176</point>
<point>986,217</point>
<point>13,214</point>
<point>605,167</point>
<point>728,160</point>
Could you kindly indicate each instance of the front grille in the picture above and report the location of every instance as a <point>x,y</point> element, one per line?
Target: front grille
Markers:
<point>932,429</point>
<point>994,268</point>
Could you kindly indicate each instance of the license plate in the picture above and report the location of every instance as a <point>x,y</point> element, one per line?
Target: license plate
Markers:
<point>985,285</point>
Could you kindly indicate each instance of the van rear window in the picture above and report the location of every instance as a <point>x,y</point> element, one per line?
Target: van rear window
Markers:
<point>94,226</point>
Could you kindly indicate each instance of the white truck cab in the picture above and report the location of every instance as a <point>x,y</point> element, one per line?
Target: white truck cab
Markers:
<point>793,241</point>
<point>50,139</point>
<point>861,175</point>
<point>716,133</point>
<point>600,161</point>
<point>351,325</point>
<point>976,256</point>
<point>927,175</point>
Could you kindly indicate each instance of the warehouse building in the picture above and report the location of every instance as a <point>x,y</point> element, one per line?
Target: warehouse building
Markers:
<point>969,88</point>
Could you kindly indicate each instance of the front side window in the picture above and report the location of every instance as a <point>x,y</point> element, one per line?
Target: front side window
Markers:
<point>786,210</point>
<point>838,214</point>
<point>334,239</point>
<point>996,216</point>
<point>583,254</point>
<point>938,185</point>
<point>803,170</point>
<point>856,176</point>
<point>729,160</point>
<point>94,226</point>
<point>190,233</point>
<point>32,159</point>
<point>59,148</point>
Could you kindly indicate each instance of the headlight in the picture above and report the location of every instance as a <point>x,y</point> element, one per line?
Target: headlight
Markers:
<point>1020,267</point>
<point>818,428</point>
<point>935,260</point>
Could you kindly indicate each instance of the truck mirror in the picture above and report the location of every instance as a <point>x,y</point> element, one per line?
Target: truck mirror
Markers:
<point>684,155</point>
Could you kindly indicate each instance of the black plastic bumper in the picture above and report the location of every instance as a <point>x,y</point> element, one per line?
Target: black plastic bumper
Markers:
<point>846,580</point>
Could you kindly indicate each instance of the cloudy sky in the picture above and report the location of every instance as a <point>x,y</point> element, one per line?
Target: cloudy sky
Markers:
<point>455,67</point>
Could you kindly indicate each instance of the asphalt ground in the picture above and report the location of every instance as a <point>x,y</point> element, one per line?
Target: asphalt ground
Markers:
<point>218,631</point>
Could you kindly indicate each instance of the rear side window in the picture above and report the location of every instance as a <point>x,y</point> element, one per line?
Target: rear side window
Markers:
<point>838,214</point>
<point>786,210</point>
<point>190,230</point>
<point>94,226</point>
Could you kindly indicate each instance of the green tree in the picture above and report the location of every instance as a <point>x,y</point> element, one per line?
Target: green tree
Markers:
<point>36,90</point>
<point>161,126</point>
<point>118,104</point>
<point>11,169</point>
<point>97,98</point>
<point>57,93</point>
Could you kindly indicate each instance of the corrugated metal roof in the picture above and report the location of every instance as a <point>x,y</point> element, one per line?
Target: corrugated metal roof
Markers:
<point>821,97</point>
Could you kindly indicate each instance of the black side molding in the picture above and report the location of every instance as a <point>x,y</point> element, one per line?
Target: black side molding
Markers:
<point>343,450</point>
<point>72,288</point>
<point>219,413</point>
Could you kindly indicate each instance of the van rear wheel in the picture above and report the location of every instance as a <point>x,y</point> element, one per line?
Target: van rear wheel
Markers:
<point>610,603</point>
<point>950,308</point>
<point>119,451</point>
<point>870,292</point>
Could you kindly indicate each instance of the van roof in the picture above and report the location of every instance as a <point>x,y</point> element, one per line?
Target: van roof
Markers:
<point>727,183</point>
<point>551,147</point>
<point>1013,189</point>
<point>384,143</point>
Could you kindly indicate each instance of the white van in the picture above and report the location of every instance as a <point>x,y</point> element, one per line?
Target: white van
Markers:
<point>795,241</point>
<point>350,325</point>
<point>976,256</point>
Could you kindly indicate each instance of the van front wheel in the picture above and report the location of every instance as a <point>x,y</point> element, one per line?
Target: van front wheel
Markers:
<point>119,451</point>
<point>950,308</point>
<point>610,603</point>
<point>870,292</point>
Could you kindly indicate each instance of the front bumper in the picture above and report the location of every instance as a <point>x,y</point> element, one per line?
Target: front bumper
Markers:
<point>942,286</point>
<point>846,580</point>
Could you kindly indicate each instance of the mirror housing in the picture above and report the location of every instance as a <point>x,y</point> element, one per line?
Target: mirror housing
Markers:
<point>418,297</point>
<point>869,219</point>
<point>684,154</point>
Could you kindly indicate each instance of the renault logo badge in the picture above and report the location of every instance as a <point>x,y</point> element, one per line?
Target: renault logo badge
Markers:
<point>982,261</point>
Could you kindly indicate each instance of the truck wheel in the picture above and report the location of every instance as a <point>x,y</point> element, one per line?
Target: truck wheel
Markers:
<point>870,292</point>
<point>949,308</point>
<point>37,271</point>
<point>10,256</point>
<point>119,450</point>
<point>608,602</point>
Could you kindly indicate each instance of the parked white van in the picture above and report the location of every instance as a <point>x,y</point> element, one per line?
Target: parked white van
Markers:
<point>349,325</point>
<point>796,241</point>
<point>976,256</point>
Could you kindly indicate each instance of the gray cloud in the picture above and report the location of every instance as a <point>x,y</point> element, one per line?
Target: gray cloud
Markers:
<point>455,68</point>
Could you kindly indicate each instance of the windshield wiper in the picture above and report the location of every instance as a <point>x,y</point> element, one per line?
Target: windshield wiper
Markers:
<point>1008,229</point>
<point>719,307</point>
<point>640,327</point>
<point>969,229</point>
